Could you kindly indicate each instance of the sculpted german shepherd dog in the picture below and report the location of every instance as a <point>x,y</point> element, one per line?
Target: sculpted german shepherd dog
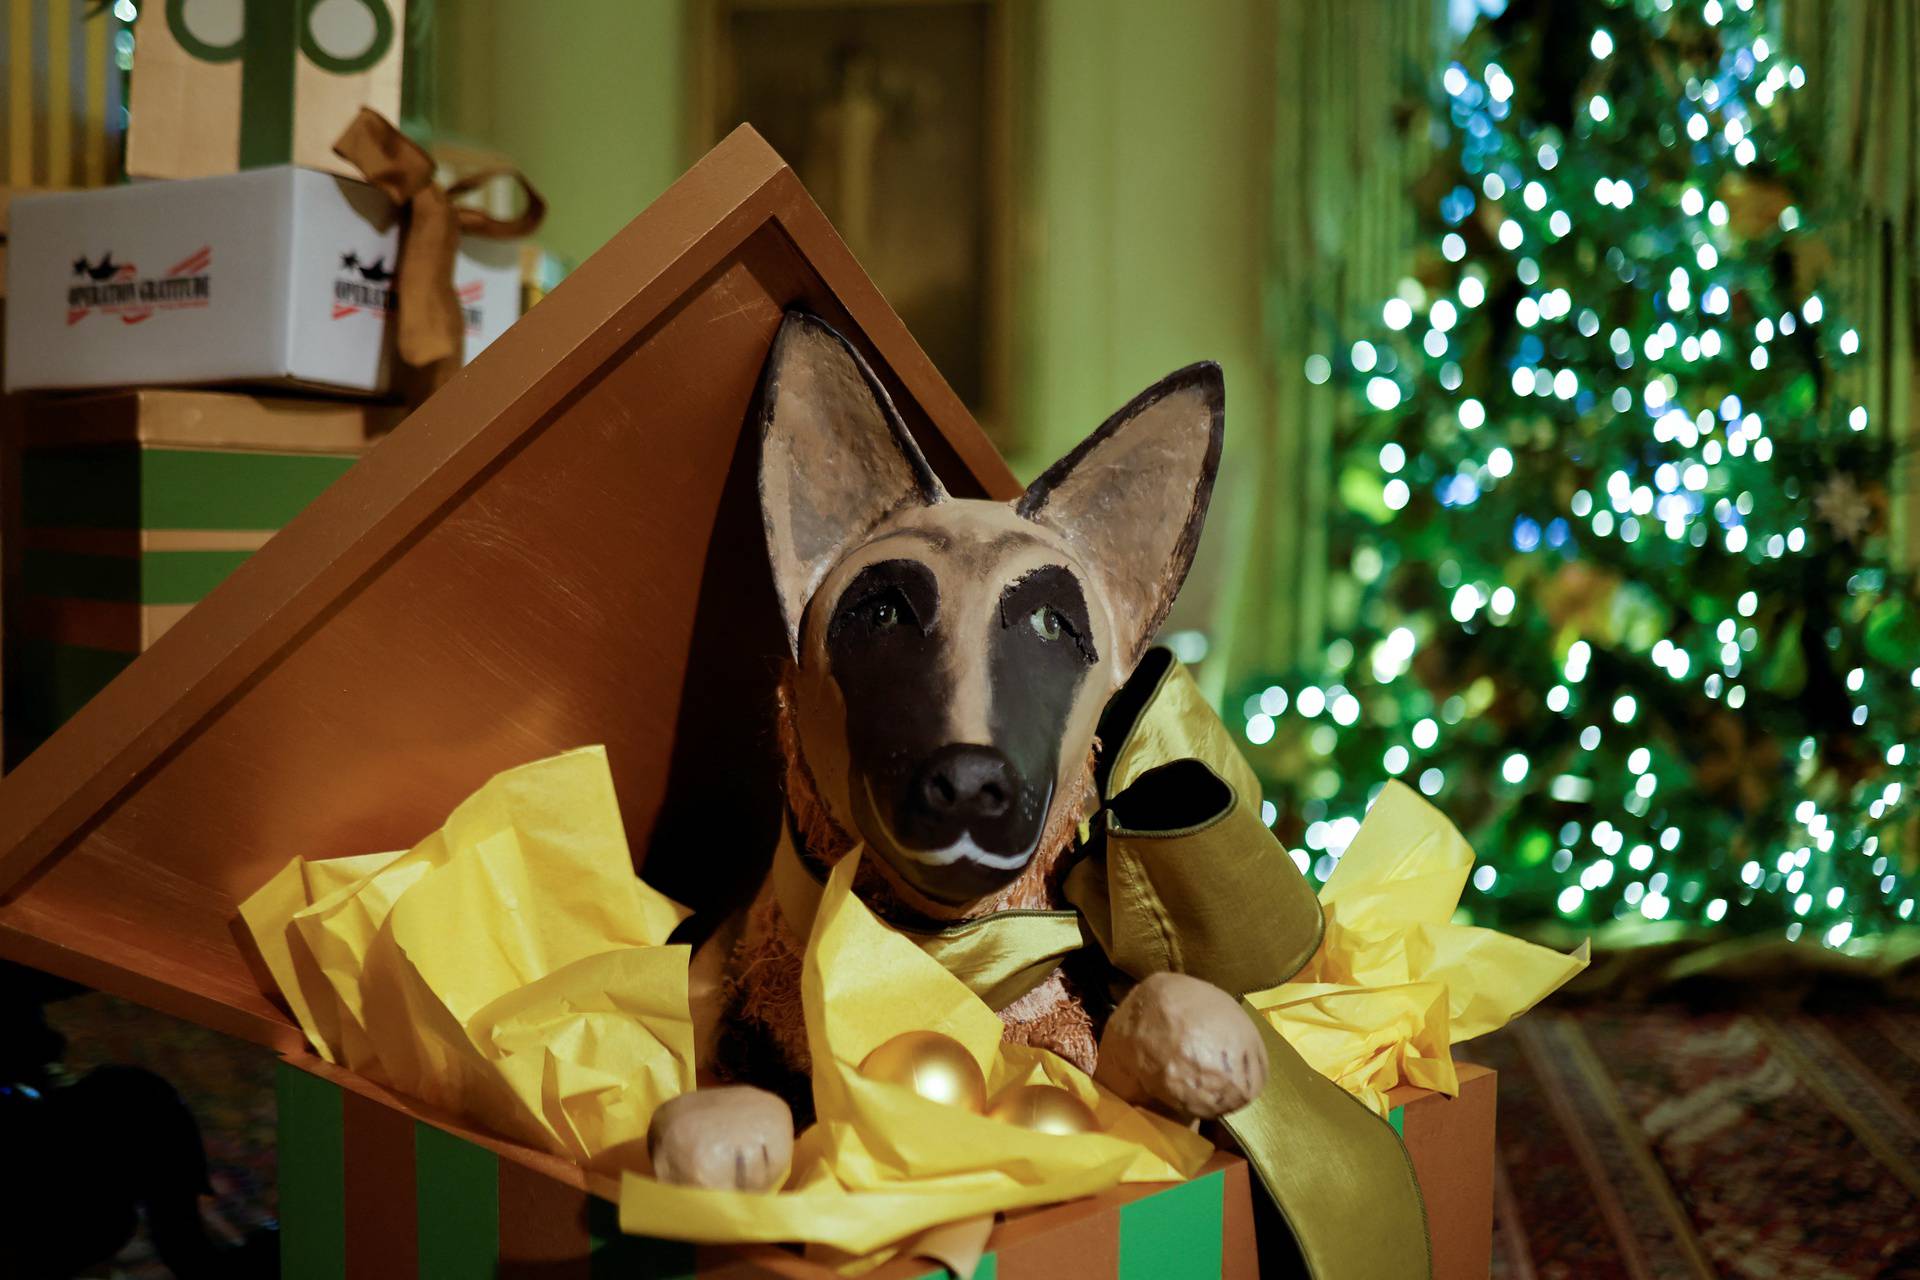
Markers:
<point>951,658</point>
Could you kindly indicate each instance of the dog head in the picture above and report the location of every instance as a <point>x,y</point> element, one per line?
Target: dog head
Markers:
<point>952,656</point>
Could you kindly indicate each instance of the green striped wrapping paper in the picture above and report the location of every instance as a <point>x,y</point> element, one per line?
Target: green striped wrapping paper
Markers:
<point>116,540</point>
<point>366,1190</point>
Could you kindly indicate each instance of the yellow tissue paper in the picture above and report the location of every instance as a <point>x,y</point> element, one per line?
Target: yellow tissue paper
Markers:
<point>1395,983</point>
<point>510,967</point>
<point>882,1164</point>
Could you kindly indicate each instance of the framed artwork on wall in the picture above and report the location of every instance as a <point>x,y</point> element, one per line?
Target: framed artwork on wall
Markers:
<point>894,114</point>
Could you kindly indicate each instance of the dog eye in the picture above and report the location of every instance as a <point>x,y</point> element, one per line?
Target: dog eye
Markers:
<point>1047,622</point>
<point>886,611</point>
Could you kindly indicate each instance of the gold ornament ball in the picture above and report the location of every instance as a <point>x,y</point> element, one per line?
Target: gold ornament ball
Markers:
<point>1044,1108</point>
<point>936,1067</point>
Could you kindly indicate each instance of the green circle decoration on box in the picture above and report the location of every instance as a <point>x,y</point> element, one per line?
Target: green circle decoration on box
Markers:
<point>344,37</point>
<point>372,45</point>
<point>210,30</point>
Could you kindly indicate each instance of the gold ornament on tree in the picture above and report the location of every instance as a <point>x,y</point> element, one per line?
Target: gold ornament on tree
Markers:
<point>1846,508</point>
<point>1581,596</point>
<point>1735,763</point>
<point>1754,205</point>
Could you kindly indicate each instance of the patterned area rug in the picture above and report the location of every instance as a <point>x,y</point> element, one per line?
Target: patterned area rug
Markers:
<point>1643,1142</point>
<point>1662,1142</point>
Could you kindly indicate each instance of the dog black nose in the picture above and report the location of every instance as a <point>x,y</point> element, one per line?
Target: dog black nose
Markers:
<point>962,783</point>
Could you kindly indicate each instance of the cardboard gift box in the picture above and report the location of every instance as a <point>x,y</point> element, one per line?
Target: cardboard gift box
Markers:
<point>274,276</point>
<point>373,1184</point>
<point>563,546</point>
<point>376,1185</point>
<point>1450,1141</point>
<point>133,506</point>
<point>221,86</point>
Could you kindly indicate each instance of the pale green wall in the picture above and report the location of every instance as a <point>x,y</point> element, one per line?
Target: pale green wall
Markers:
<point>586,96</point>
<point>1142,136</point>
<point>1143,129</point>
<point>1144,233</point>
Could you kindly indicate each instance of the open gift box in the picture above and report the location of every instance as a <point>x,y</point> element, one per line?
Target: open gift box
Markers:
<point>372,1184</point>
<point>564,546</point>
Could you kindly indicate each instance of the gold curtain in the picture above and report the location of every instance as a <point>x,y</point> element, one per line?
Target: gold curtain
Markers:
<point>60,110</point>
<point>1349,139</point>
<point>1863,82</point>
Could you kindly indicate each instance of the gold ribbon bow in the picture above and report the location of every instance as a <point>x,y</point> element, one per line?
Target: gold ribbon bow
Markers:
<point>427,309</point>
<point>1182,874</point>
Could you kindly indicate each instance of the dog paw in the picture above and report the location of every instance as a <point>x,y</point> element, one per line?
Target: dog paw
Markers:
<point>729,1137</point>
<point>1183,1045</point>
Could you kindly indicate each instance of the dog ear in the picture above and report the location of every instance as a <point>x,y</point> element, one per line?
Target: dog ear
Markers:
<point>1130,500</point>
<point>835,459</point>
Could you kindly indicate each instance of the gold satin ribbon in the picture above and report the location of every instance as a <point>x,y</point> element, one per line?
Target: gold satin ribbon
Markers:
<point>1183,875</point>
<point>426,308</point>
<point>1338,1174</point>
<point>1188,878</point>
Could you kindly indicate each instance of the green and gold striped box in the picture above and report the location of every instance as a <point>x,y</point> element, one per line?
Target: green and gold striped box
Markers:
<point>134,505</point>
<point>373,1185</point>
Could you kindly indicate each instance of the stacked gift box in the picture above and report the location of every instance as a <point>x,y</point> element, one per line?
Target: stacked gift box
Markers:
<point>200,356</point>
<point>133,506</point>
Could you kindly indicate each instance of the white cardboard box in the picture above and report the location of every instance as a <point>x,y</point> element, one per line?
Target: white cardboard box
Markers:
<point>278,276</point>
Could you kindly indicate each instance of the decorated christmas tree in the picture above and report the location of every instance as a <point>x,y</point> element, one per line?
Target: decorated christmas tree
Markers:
<point>1612,579</point>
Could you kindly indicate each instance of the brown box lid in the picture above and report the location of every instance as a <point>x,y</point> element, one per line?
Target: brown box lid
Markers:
<point>167,418</point>
<point>562,547</point>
